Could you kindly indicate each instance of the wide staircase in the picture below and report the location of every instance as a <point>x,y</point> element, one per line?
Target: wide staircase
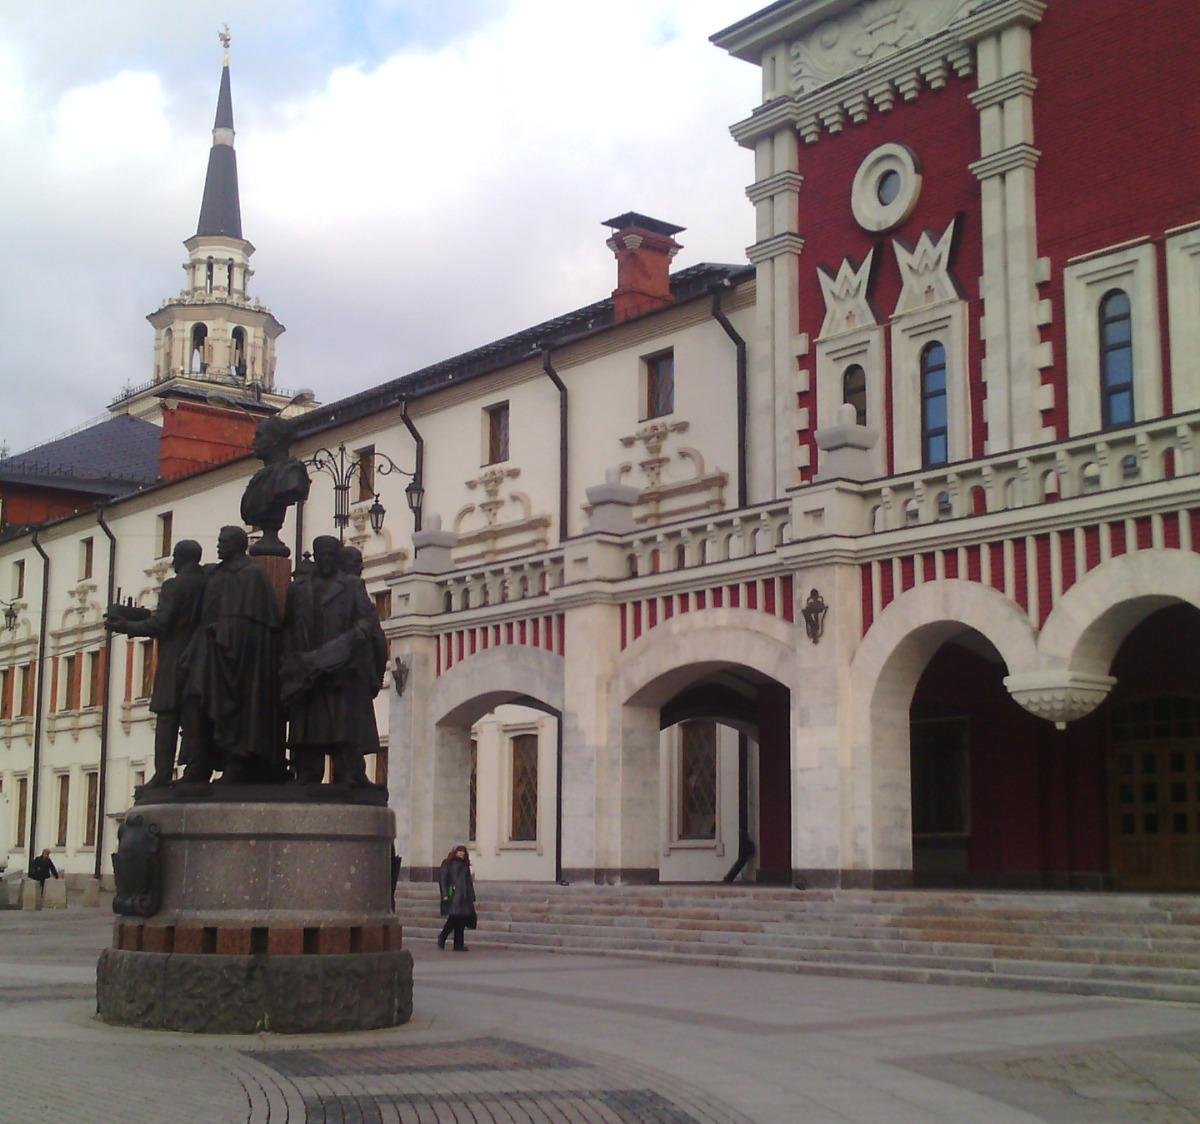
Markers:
<point>1136,946</point>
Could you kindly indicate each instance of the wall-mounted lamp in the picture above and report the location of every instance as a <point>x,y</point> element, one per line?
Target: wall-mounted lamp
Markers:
<point>814,616</point>
<point>10,615</point>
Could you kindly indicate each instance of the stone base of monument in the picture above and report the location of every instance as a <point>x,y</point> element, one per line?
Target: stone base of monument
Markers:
<point>270,916</point>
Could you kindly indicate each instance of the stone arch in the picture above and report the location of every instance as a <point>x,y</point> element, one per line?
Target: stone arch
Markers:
<point>753,650</point>
<point>883,676</point>
<point>526,675</point>
<point>1092,619</point>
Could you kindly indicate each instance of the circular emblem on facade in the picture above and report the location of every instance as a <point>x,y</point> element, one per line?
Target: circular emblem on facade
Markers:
<point>886,187</point>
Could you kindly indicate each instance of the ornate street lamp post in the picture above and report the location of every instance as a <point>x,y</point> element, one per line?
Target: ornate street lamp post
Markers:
<point>10,615</point>
<point>343,470</point>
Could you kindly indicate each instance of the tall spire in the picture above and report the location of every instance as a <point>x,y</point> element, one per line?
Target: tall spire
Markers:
<point>220,210</point>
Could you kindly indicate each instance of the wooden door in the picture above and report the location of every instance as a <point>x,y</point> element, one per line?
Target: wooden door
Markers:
<point>1154,770</point>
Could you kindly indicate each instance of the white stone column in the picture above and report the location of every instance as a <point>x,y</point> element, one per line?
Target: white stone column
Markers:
<point>1004,98</point>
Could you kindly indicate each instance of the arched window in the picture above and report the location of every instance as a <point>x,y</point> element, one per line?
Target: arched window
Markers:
<point>239,353</point>
<point>934,445</point>
<point>198,364</point>
<point>1116,360</point>
<point>208,277</point>
<point>854,391</point>
<point>168,353</point>
<point>229,276</point>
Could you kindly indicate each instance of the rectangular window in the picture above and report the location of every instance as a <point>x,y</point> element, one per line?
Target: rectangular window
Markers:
<point>380,774</point>
<point>473,797</point>
<point>22,808</point>
<point>698,780</point>
<point>95,691</point>
<point>940,777</point>
<point>86,558</point>
<point>27,673</point>
<point>139,779</point>
<point>165,541</point>
<point>147,684</point>
<point>71,698</point>
<point>524,787</point>
<point>92,788</point>
<point>660,384</point>
<point>8,679</point>
<point>64,805</point>
<point>383,604</point>
<point>366,471</point>
<point>496,418</point>
<point>18,582</point>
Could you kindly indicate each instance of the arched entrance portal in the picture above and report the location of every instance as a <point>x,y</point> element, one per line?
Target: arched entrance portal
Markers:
<point>1001,798</point>
<point>720,767</point>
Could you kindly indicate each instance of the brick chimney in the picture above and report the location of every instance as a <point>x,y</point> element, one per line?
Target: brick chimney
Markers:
<point>644,248</point>
<point>196,435</point>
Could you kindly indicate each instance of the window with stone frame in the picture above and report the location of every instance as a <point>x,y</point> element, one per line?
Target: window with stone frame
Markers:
<point>22,809</point>
<point>854,391</point>
<point>71,668</point>
<point>524,788</point>
<point>64,808</point>
<point>473,795</point>
<point>148,654</point>
<point>8,679</point>
<point>496,433</point>
<point>383,604</point>
<point>87,557</point>
<point>27,689</point>
<point>366,472</point>
<point>660,384</point>
<point>95,691</point>
<point>934,416</point>
<point>1116,359</point>
<point>18,580</point>
<point>698,780</point>
<point>165,539</point>
<point>91,783</point>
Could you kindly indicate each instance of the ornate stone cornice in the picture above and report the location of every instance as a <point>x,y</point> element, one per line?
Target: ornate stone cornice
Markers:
<point>1010,86</point>
<point>777,184</point>
<point>1006,160</point>
<point>774,247</point>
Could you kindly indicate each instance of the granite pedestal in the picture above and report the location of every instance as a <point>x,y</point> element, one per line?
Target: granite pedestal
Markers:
<point>272,916</point>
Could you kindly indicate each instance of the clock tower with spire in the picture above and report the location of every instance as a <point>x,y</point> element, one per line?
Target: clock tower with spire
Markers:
<point>213,336</point>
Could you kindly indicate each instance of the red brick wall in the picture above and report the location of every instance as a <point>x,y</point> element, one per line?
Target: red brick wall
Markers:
<point>942,129</point>
<point>1117,130</point>
<point>197,436</point>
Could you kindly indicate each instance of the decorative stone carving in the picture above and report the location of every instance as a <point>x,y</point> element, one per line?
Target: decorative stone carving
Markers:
<point>526,532</point>
<point>661,498</point>
<point>1059,696</point>
<point>864,35</point>
<point>925,271</point>
<point>846,304</point>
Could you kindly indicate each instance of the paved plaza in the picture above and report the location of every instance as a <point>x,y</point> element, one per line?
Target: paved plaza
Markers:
<point>511,1036</point>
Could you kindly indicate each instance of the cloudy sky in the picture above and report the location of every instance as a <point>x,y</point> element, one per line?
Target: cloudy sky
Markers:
<point>418,177</point>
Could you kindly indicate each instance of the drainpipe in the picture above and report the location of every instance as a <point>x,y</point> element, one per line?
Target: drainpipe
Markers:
<point>558,767</point>
<point>37,706</point>
<point>419,460</point>
<point>740,345</point>
<point>563,445</point>
<point>106,694</point>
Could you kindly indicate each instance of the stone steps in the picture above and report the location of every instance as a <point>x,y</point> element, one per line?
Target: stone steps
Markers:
<point>1131,946</point>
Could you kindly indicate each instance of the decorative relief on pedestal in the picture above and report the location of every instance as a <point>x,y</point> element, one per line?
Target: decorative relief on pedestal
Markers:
<point>925,271</point>
<point>496,536</point>
<point>661,494</point>
<point>1059,696</point>
<point>846,304</point>
<point>864,35</point>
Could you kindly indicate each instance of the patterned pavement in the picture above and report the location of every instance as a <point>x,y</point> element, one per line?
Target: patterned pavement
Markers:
<point>518,1037</point>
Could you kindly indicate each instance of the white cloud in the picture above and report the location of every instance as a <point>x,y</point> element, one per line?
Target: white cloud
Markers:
<point>407,204</point>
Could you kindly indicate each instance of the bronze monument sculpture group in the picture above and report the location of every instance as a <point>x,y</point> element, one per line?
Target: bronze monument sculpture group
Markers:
<point>251,895</point>
<point>242,679</point>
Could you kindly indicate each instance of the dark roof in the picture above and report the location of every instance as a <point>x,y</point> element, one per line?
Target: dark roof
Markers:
<point>106,459</point>
<point>220,209</point>
<point>632,218</point>
<point>687,284</point>
<point>224,117</point>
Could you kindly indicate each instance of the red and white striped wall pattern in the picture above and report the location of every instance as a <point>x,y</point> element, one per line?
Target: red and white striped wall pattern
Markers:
<point>547,632</point>
<point>1033,570</point>
<point>773,596</point>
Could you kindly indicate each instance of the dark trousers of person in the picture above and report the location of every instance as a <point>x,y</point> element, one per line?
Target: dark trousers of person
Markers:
<point>454,925</point>
<point>166,740</point>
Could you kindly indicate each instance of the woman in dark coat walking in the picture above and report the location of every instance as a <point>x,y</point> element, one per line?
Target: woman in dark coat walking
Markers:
<point>458,897</point>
